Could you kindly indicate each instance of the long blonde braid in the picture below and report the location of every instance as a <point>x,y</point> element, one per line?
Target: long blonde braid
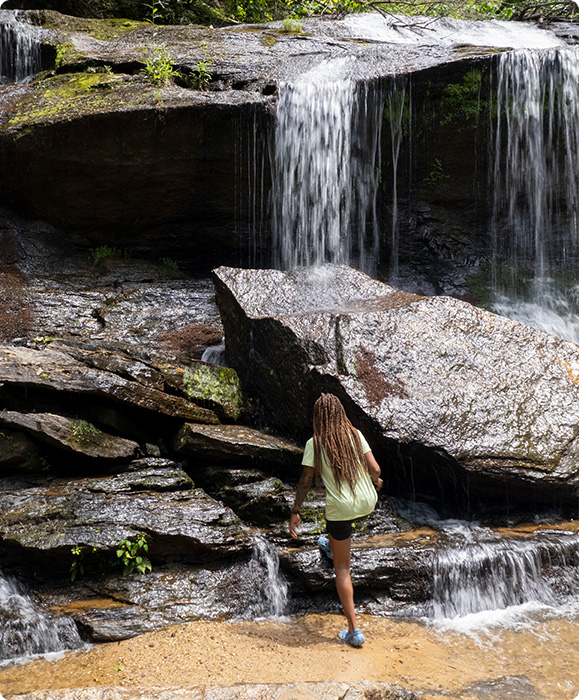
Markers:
<point>339,440</point>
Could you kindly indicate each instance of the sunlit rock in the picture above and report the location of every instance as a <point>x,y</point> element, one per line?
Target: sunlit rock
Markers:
<point>237,445</point>
<point>55,370</point>
<point>451,384</point>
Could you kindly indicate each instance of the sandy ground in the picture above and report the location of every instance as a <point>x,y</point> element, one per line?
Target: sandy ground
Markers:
<point>545,660</point>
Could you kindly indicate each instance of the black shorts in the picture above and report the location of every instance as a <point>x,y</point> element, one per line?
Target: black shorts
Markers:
<point>339,529</point>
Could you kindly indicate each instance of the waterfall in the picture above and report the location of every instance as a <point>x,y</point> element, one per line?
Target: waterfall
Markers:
<point>270,596</point>
<point>534,177</point>
<point>26,630</point>
<point>22,53</point>
<point>215,354</point>
<point>326,170</point>
<point>395,104</point>
<point>481,572</point>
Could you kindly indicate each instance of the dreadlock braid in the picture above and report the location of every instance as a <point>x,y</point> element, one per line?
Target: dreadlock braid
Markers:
<point>339,440</point>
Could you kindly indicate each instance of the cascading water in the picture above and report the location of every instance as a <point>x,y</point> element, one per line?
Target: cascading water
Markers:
<point>535,182</point>
<point>481,572</point>
<point>326,170</point>
<point>395,103</point>
<point>270,595</point>
<point>26,630</point>
<point>22,52</point>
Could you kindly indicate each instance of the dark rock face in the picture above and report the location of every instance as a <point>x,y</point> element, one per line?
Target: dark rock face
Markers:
<point>483,393</point>
<point>96,514</point>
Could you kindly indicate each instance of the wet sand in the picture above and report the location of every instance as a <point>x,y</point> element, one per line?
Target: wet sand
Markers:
<point>544,660</point>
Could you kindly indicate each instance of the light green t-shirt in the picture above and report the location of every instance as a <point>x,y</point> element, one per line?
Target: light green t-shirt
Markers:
<point>341,504</point>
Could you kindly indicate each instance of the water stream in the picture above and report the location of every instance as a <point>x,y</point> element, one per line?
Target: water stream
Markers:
<point>271,590</point>
<point>534,176</point>
<point>327,163</point>
<point>27,630</point>
<point>22,52</point>
<point>328,170</point>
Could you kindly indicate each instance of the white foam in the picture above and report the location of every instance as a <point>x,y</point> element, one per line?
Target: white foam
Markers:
<point>514,617</point>
<point>445,31</point>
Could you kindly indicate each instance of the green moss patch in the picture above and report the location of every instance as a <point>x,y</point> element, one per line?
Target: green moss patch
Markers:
<point>67,96</point>
<point>214,386</point>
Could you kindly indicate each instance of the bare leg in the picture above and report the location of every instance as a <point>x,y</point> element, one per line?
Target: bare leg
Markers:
<point>341,552</point>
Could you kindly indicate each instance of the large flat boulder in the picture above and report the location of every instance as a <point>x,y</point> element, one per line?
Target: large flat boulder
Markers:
<point>433,379</point>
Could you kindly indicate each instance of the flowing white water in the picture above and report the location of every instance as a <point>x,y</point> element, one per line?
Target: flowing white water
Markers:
<point>326,170</point>
<point>26,630</point>
<point>215,355</point>
<point>445,31</point>
<point>481,572</point>
<point>21,48</point>
<point>271,589</point>
<point>535,183</point>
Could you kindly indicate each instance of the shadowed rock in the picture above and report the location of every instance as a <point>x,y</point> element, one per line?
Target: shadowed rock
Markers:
<point>17,452</point>
<point>460,386</point>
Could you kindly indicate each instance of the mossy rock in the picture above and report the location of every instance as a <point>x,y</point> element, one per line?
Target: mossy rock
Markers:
<point>209,385</point>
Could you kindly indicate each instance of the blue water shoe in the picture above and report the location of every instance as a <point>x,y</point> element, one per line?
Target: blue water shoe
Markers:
<point>354,640</point>
<point>324,545</point>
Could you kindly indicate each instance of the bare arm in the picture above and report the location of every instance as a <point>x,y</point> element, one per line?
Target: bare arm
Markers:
<point>304,485</point>
<point>373,469</point>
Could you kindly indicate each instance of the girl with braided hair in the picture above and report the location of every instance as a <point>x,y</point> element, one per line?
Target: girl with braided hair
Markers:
<point>341,457</point>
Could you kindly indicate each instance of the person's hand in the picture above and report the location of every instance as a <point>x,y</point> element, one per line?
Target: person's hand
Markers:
<point>294,524</point>
<point>378,484</point>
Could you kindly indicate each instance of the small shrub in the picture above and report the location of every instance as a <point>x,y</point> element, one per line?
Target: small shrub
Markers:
<point>107,251</point>
<point>77,566</point>
<point>173,266</point>
<point>436,175</point>
<point>130,554</point>
<point>202,76</point>
<point>292,26</point>
<point>160,69</point>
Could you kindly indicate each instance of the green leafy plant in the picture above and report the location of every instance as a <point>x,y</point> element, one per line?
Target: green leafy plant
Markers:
<point>160,68</point>
<point>292,26</point>
<point>155,13</point>
<point>436,175</point>
<point>106,251</point>
<point>201,78</point>
<point>172,265</point>
<point>130,554</point>
<point>77,566</point>
<point>84,433</point>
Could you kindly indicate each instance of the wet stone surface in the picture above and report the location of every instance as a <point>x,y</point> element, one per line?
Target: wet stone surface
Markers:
<point>96,514</point>
<point>433,381</point>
